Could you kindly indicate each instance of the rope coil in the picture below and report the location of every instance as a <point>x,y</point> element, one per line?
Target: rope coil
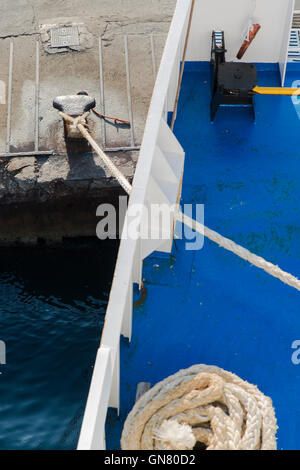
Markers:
<point>203,406</point>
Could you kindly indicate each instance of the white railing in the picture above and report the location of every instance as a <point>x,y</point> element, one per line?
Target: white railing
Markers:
<point>156,181</point>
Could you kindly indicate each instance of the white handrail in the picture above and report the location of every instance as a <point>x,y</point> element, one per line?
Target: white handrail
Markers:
<point>158,150</point>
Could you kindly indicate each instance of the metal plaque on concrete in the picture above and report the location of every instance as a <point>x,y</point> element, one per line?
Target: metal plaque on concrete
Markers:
<point>66,36</point>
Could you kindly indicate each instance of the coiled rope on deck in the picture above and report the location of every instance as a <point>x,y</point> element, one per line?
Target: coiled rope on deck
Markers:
<point>203,406</point>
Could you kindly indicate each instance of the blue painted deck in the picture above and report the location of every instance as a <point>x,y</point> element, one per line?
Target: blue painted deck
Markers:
<point>209,306</point>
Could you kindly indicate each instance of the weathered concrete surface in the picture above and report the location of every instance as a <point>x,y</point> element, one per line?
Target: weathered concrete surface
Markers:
<point>25,16</point>
<point>74,172</point>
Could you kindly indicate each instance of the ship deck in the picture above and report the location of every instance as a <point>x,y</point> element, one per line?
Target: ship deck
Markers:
<point>209,306</point>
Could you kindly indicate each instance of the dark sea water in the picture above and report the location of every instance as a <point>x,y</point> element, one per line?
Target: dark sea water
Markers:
<point>52,306</point>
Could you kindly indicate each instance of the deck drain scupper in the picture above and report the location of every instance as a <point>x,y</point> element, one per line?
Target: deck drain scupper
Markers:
<point>64,37</point>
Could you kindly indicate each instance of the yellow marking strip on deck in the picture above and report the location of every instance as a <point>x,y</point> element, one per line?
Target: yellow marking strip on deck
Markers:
<point>276,91</point>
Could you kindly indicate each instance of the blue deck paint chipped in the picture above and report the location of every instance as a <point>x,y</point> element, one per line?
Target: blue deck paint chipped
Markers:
<point>210,306</point>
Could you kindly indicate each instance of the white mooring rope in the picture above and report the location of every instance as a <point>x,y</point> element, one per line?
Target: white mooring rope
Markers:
<point>79,122</point>
<point>229,245</point>
<point>238,250</point>
<point>202,405</point>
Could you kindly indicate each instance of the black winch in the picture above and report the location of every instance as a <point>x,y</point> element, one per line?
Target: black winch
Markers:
<point>232,82</point>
